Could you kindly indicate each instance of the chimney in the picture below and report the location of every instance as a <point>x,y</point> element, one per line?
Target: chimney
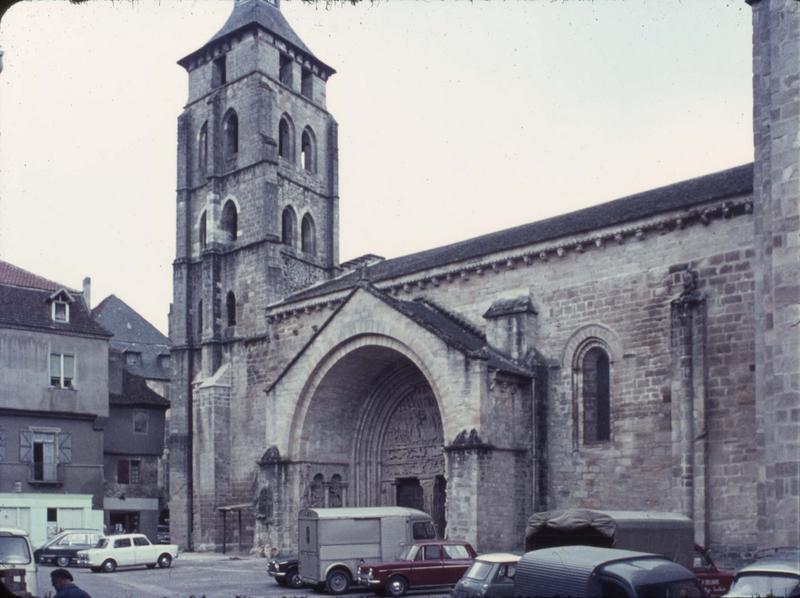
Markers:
<point>87,292</point>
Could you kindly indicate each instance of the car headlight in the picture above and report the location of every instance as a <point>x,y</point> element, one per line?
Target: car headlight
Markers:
<point>369,573</point>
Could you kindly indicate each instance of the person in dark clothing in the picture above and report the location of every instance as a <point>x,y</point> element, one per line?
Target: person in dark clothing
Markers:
<point>63,583</point>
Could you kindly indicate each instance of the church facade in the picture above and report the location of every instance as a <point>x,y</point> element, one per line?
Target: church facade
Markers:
<point>638,354</point>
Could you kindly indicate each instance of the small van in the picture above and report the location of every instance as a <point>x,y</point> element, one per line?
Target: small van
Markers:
<point>591,572</point>
<point>332,542</point>
<point>17,566</point>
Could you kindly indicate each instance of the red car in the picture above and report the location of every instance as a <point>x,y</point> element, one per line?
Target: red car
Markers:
<point>431,564</point>
<point>714,581</point>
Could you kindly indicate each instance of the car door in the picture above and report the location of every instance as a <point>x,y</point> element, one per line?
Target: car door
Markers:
<point>502,584</point>
<point>427,569</point>
<point>456,561</point>
<point>124,552</point>
<point>144,551</point>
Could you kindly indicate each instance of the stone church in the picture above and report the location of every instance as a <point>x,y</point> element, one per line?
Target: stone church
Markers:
<point>638,354</point>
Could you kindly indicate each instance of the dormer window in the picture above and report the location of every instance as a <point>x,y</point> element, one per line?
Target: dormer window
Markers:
<point>59,306</point>
<point>60,311</point>
<point>133,358</point>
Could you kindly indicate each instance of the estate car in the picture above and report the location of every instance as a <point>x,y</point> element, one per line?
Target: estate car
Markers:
<point>127,550</point>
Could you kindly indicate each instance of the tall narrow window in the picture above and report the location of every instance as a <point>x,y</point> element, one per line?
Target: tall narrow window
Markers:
<point>230,304</point>
<point>203,232</point>
<point>308,156</point>
<point>595,373</point>
<point>45,460</point>
<point>202,148</point>
<point>288,226</point>
<point>62,370</point>
<point>219,76</point>
<point>231,133</point>
<point>199,318</point>
<point>230,221</point>
<point>307,83</point>
<point>285,70</point>
<point>308,237</point>
<point>285,139</point>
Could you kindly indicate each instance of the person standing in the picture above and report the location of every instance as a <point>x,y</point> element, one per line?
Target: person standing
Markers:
<point>64,584</point>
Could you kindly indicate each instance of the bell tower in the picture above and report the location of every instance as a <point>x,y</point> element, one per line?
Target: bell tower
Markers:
<point>257,219</point>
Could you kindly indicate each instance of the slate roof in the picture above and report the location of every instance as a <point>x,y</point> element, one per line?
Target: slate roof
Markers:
<point>29,307</point>
<point>265,15</point>
<point>136,393</point>
<point>681,195</point>
<point>132,333</point>
<point>14,275</point>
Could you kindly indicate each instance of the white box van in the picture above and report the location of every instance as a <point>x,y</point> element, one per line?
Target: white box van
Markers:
<point>17,567</point>
<point>332,542</point>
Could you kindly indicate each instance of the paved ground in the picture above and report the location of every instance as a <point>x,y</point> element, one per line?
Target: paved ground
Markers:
<point>191,575</point>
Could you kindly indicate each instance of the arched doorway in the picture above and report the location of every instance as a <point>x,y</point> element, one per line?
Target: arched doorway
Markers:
<point>374,421</point>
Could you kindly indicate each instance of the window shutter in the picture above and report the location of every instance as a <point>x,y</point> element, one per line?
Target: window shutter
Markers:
<point>2,445</point>
<point>65,447</point>
<point>25,446</point>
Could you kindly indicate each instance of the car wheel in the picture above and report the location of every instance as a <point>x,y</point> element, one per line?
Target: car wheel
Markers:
<point>293,579</point>
<point>62,561</point>
<point>337,582</point>
<point>164,561</point>
<point>109,566</point>
<point>396,586</point>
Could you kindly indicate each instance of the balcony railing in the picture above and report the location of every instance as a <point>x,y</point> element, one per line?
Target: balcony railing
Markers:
<point>46,473</point>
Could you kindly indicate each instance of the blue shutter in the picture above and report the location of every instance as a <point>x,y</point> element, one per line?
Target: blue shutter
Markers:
<point>25,446</point>
<point>65,447</point>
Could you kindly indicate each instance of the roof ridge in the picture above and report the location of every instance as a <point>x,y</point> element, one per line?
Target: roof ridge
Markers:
<point>13,275</point>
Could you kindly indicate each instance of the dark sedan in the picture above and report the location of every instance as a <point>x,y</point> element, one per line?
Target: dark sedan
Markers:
<point>62,549</point>
<point>285,571</point>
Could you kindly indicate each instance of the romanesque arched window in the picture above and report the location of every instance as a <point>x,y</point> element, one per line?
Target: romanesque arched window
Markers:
<point>203,231</point>
<point>230,129</point>
<point>202,148</point>
<point>230,221</point>
<point>335,491</point>
<point>230,305</point>
<point>308,235</point>
<point>308,151</point>
<point>596,395</point>
<point>288,226</point>
<point>316,491</point>
<point>285,139</point>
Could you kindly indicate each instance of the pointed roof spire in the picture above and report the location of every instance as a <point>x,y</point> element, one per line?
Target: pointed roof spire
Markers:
<point>267,15</point>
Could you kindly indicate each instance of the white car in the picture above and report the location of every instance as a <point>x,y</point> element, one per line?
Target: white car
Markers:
<point>127,550</point>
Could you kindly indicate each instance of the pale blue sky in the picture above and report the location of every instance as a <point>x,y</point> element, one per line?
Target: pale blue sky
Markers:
<point>456,119</point>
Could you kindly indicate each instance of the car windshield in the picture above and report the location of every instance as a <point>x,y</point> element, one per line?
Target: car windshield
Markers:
<point>101,543</point>
<point>14,551</point>
<point>684,588</point>
<point>409,553</point>
<point>478,570</point>
<point>763,584</point>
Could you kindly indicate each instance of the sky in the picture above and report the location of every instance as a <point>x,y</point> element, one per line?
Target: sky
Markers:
<point>456,118</point>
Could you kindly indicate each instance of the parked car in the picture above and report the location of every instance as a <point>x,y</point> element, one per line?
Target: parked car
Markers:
<point>590,572</point>
<point>714,581</point>
<point>285,571</point>
<point>490,576</point>
<point>426,565</point>
<point>62,549</point>
<point>775,575</point>
<point>17,565</point>
<point>127,550</point>
<point>332,542</point>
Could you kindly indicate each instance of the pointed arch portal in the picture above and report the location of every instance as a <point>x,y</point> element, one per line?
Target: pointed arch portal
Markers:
<point>374,421</point>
